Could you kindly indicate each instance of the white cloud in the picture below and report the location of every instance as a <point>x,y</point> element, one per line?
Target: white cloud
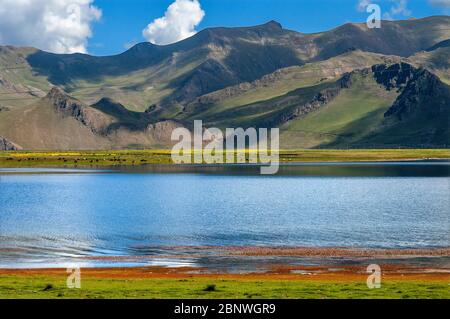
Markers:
<point>178,23</point>
<point>440,3</point>
<point>362,4</point>
<point>398,8</point>
<point>60,26</point>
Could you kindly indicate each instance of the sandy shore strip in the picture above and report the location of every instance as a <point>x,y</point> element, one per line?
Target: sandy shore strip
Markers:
<point>341,264</point>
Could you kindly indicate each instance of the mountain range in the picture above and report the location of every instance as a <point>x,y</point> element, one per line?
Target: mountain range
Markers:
<point>348,87</point>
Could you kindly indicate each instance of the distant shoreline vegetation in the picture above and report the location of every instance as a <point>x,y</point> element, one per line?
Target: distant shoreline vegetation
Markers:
<point>163,157</point>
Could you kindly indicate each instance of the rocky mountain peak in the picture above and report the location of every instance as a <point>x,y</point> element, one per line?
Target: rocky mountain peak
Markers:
<point>56,93</point>
<point>424,93</point>
<point>272,24</point>
<point>68,106</point>
<point>65,103</point>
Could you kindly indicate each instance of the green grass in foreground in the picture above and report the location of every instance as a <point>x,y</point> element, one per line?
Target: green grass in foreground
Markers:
<point>55,287</point>
<point>135,158</point>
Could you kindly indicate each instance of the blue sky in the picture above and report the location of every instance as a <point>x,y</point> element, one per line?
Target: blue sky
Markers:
<point>122,21</point>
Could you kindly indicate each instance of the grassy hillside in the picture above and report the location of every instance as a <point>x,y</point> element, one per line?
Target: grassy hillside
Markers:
<point>38,126</point>
<point>61,122</point>
<point>353,114</point>
<point>19,85</point>
<point>402,38</point>
<point>350,112</point>
<point>284,81</point>
<point>262,76</point>
<point>211,60</point>
<point>436,60</point>
<point>387,106</point>
<point>269,113</point>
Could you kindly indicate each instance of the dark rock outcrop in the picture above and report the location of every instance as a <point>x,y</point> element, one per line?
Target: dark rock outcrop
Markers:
<point>424,93</point>
<point>6,145</point>
<point>4,109</point>
<point>96,120</point>
<point>394,76</point>
<point>420,90</point>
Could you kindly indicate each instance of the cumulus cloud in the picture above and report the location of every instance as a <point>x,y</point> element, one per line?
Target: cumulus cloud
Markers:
<point>398,8</point>
<point>440,3</point>
<point>362,4</point>
<point>60,26</point>
<point>179,22</point>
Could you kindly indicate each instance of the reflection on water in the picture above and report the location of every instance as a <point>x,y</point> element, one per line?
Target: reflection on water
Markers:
<point>54,217</point>
<point>364,169</point>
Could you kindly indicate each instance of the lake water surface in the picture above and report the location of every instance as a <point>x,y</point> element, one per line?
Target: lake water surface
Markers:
<point>53,217</point>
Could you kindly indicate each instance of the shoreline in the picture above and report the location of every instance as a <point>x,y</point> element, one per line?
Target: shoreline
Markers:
<point>401,281</point>
<point>235,272</point>
<point>250,259</point>
<point>405,273</point>
<point>139,158</point>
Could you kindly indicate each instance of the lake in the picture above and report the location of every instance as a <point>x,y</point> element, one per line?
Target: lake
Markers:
<point>54,217</point>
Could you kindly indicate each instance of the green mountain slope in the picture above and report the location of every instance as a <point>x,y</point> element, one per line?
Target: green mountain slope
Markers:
<point>174,75</point>
<point>352,115</point>
<point>282,82</point>
<point>386,106</point>
<point>402,38</point>
<point>435,59</point>
<point>321,88</point>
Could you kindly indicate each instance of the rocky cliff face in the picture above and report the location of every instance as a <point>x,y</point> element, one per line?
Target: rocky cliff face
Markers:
<point>6,145</point>
<point>88,116</point>
<point>420,90</point>
<point>423,93</point>
<point>394,76</point>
